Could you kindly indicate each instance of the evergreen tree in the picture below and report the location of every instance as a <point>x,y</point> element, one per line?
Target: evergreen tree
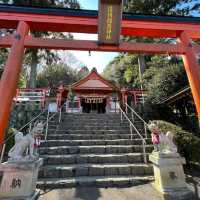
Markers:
<point>158,7</point>
<point>35,56</point>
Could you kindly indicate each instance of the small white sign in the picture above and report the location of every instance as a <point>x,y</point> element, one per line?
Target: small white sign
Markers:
<point>53,107</point>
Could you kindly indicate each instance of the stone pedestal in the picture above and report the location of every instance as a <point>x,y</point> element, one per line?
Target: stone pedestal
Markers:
<point>18,179</point>
<point>170,177</point>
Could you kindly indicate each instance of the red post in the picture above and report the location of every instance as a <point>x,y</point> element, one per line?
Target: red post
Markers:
<point>10,76</point>
<point>192,69</point>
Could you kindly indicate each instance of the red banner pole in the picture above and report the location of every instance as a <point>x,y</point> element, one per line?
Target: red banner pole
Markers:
<point>10,76</point>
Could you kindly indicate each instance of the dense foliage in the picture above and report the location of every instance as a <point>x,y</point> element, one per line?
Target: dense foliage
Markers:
<point>34,57</point>
<point>162,77</point>
<point>163,82</point>
<point>56,74</point>
<point>160,7</point>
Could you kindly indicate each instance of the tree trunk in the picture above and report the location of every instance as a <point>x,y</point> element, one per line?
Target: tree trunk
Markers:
<point>142,63</point>
<point>33,72</point>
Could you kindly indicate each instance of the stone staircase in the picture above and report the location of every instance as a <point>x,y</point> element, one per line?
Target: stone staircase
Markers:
<point>93,149</point>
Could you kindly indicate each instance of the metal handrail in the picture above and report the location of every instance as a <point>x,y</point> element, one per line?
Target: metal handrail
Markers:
<point>47,124</point>
<point>132,126</point>
<point>60,114</point>
<point>48,119</point>
<point>134,112</point>
<point>13,134</point>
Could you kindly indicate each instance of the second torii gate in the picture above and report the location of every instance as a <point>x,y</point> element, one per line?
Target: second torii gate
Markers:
<point>26,19</point>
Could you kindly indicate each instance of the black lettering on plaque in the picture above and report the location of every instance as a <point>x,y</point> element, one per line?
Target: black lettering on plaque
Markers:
<point>172,175</point>
<point>16,182</point>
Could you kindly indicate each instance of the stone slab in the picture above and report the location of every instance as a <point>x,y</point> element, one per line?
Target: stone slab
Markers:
<point>18,179</point>
<point>184,194</point>
<point>169,176</point>
<point>34,196</point>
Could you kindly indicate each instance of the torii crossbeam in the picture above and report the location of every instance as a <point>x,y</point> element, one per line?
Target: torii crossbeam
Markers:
<point>26,19</point>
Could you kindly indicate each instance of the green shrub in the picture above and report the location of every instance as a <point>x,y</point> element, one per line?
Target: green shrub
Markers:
<point>187,143</point>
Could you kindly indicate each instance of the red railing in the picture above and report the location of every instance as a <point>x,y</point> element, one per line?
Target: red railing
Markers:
<point>32,95</point>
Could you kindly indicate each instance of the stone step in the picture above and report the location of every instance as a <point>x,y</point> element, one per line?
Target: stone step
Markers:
<point>78,121</point>
<point>93,158</point>
<point>51,143</point>
<point>58,136</point>
<point>89,124</point>
<point>88,121</point>
<point>93,122</point>
<point>91,127</point>
<point>99,181</point>
<point>92,131</point>
<point>90,114</point>
<point>64,150</point>
<point>97,119</point>
<point>77,170</point>
<point>85,128</point>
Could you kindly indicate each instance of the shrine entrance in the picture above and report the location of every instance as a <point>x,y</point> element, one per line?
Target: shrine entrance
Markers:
<point>93,105</point>
<point>93,94</point>
<point>110,24</point>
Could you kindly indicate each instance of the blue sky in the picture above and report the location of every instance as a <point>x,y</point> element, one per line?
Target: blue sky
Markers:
<point>89,4</point>
<point>97,59</point>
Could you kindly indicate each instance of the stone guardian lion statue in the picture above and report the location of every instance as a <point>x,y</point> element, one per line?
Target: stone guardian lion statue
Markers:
<point>24,143</point>
<point>165,143</point>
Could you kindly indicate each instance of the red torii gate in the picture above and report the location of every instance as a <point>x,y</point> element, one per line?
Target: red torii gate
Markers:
<point>25,19</point>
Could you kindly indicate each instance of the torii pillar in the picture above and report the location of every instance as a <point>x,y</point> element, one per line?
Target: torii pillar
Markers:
<point>192,69</point>
<point>10,76</point>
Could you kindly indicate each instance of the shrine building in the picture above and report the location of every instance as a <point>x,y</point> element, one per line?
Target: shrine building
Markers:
<point>94,94</point>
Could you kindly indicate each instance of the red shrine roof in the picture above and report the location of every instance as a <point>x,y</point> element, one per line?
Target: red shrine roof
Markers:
<point>94,81</point>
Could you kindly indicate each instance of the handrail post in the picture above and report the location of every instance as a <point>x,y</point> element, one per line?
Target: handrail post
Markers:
<point>132,116</point>
<point>145,130</point>
<point>47,125</point>
<point>144,151</point>
<point>2,152</point>
<point>30,126</point>
<point>60,116</point>
<point>131,130</point>
<point>121,116</point>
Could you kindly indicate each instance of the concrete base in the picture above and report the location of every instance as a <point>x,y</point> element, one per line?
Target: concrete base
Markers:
<point>170,177</point>
<point>173,194</point>
<point>185,194</point>
<point>34,196</point>
<point>18,180</point>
